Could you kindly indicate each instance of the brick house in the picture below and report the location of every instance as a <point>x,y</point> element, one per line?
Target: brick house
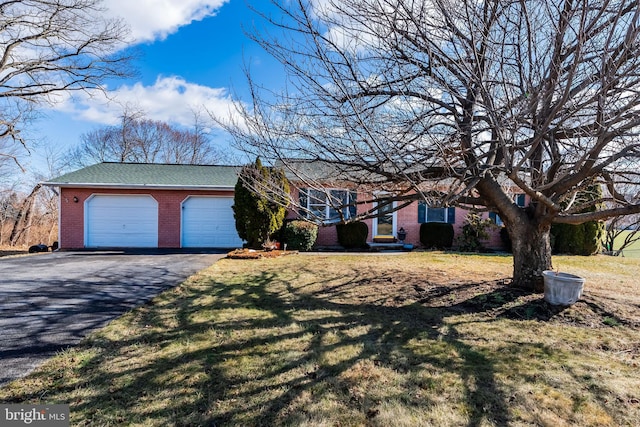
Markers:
<point>408,218</point>
<point>181,206</point>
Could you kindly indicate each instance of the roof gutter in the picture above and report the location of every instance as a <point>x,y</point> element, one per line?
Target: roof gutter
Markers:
<point>138,186</point>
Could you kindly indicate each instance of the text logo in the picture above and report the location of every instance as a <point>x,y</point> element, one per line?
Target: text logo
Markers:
<point>34,415</point>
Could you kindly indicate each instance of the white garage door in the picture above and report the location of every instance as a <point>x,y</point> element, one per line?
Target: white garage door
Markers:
<point>121,221</point>
<point>207,222</point>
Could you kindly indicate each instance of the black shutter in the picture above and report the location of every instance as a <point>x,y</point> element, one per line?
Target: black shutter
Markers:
<point>422,212</point>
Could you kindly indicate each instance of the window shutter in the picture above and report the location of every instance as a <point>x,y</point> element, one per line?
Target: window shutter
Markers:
<point>353,209</point>
<point>304,199</point>
<point>422,212</point>
<point>451,215</point>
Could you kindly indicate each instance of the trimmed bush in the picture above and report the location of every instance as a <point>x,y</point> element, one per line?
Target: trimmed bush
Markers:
<point>582,239</point>
<point>300,235</point>
<point>353,235</point>
<point>436,235</point>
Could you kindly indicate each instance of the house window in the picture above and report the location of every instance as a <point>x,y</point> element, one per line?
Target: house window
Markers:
<point>326,205</point>
<point>433,214</point>
<point>496,219</point>
<point>519,201</point>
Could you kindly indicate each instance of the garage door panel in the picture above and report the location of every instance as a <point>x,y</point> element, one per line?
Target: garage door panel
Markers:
<point>208,222</point>
<point>121,221</point>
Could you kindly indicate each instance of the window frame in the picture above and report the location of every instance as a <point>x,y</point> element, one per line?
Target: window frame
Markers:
<point>315,198</point>
<point>423,218</point>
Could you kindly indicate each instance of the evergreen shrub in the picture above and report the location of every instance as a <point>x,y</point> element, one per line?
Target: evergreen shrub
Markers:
<point>506,239</point>
<point>353,235</point>
<point>300,235</point>
<point>437,235</point>
<point>259,203</point>
<point>475,232</point>
<point>581,239</point>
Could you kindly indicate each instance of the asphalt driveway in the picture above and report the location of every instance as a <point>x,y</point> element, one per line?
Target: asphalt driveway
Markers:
<point>49,302</point>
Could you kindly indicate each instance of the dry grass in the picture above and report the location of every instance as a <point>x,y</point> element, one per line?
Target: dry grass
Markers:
<point>412,339</point>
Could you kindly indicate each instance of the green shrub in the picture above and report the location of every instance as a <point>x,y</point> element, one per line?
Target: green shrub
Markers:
<point>353,235</point>
<point>300,235</point>
<point>436,235</point>
<point>580,239</point>
<point>475,232</point>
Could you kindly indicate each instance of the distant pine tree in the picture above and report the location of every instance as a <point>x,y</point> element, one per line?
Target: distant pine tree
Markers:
<point>260,203</point>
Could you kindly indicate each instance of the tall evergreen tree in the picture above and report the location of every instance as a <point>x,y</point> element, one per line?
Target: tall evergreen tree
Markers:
<point>585,238</point>
<point>260,203</point>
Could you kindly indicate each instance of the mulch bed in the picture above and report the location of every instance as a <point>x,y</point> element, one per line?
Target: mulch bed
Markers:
<point>255,254</point>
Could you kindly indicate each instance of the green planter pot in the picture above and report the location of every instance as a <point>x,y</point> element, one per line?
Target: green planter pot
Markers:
<point>562,288</point>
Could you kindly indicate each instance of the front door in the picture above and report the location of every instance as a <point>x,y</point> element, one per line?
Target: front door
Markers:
<point>384,224</point>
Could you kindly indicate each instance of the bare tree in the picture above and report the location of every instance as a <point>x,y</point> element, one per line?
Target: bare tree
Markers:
<point>460,101</point>
<point>9,206</point>
<point>24,218</point>
<point>623,231</point>
<point>140,140</point>
<point>49,48</point>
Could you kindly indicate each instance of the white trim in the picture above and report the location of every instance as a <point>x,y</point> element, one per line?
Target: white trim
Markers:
<point>326,219</point>
<point>394,220</point>
<point>60,219</point>
<point>446,214</point>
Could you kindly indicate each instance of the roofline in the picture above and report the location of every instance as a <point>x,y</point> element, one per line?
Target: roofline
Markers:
<point>138,186</point>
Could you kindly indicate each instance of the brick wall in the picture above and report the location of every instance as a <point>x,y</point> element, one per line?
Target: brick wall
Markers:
<point>406,218</point>
<point>169,213</point>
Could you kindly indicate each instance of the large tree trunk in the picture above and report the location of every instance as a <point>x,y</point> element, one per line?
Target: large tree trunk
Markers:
<point>531,254</point>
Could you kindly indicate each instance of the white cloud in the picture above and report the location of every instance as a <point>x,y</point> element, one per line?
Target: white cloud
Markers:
<point>155,19</point>
<point>170,99</point>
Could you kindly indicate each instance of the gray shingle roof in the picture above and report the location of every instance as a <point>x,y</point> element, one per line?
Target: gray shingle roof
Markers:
<point>133,175</point>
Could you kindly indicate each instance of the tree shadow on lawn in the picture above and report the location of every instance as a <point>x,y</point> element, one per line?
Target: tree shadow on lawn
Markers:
<point>264,350</point>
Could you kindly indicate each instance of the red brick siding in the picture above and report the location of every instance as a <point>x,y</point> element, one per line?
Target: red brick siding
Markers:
<point>169,213</point>
<point>169,217</point>
<point>406,218</point>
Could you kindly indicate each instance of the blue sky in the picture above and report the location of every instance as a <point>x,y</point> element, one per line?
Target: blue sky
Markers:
<point>192,57</point>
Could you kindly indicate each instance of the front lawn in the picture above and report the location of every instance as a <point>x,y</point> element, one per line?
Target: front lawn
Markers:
<point>426,338</point>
